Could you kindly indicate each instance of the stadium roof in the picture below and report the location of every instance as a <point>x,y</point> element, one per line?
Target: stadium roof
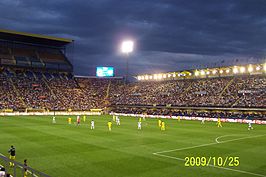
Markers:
<point>33,38</point>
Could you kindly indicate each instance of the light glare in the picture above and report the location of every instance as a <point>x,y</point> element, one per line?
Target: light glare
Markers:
<point>127,46</point>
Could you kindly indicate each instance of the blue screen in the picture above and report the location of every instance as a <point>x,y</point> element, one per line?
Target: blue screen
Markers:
<point>104,71</point>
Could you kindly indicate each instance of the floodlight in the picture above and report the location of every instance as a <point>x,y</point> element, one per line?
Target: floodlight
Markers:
<point>208,72</point>
<point>264,67</point>
<point>221,71</point>
<point>202,72</point>
<point>235,70</point>
<point>242,69</point>
<point>227,71</point>
<point>160,76</point>
<point>174,75</point>
<point>196,73</point>
<point>164,76</point>
<point>146,77</point>
<point>258,68</point>
<point>250,68</point>
<point>150,77</point>
<point>169,75</point>
<point>214,71</point>
<point>127,46</point>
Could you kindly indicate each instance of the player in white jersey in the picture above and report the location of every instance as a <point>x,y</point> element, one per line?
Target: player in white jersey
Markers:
<point>92,125</point>
<point>203,121</point>
<point>54,120</point>
<point>250,126</point>
<point>117,120</point>
<point>78,120</point>
<point>139,125</point>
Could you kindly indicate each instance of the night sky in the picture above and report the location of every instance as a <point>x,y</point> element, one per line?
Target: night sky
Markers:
<point>170,35</point>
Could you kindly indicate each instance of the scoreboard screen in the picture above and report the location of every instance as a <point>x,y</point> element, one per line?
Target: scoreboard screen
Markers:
<point>104,71</point>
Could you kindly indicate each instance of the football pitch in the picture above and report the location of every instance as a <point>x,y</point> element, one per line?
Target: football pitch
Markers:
<point>184,149</point>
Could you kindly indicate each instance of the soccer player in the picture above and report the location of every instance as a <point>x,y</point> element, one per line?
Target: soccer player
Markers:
<point>219,123</point>
<point>84,118</point>
<point>69,120</point>
<point>178,118</point>
<point>139,125</point>
<point>114,117</point>
<point>12,156</point>
<point>78,120</point>
<point>25,168</point>
<point>117,121</point>
<point>92,125</point>
<point>159,123</point>
<point>250,126</point>
<point>109,124</point>
<point>54,120</point>
<point>140,119</point>
<point>162,126</point>
<point>203,121</point>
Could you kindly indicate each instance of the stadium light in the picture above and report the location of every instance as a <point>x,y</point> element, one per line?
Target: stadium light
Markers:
<point>250,68</point>
<point>160,76</point>
<point>146,77</point>
<point>264,67</point>
<point>126,48</point>
<point>169,75</point>
<point>164,76</point>
<point>235,70</point>
<point>155,76</point>
<point>150,77</point>
<point>258,68</point>
<point>214,71</point>
<point>202,72</point>
<point>208,72</point>
<point>227,71</point>
<point>221,71</point>
<point>196,73</point>
<point>139,77</point>
<point>242,69</point>
<point>174,75</point>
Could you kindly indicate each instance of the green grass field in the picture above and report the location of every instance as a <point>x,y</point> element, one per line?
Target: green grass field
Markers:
<point>62,150</point>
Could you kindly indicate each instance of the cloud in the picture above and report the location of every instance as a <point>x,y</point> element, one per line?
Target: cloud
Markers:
<point>169,34</point>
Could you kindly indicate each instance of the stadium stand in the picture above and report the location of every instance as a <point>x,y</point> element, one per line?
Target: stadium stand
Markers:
<point>39,77</point>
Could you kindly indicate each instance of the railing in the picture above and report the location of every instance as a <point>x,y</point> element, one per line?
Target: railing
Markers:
<point>18,169</point>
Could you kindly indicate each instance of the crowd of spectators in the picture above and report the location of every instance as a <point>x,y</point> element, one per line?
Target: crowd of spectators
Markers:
<point>241,91</point>
<point>20,90</point>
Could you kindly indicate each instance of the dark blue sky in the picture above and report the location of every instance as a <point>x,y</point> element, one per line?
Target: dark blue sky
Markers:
<point>169,34</point>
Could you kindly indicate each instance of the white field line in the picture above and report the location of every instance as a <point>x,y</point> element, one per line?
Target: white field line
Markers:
<point>208,144</point>
<point>224,168</point>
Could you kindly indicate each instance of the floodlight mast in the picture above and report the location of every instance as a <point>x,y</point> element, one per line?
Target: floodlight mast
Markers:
<point>126,48</point>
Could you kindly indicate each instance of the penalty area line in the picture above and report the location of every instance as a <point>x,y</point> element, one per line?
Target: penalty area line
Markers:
<point>224,168</point>
<point>208,144</point>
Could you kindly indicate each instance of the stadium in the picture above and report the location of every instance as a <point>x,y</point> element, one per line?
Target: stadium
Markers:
<point>192,122</point>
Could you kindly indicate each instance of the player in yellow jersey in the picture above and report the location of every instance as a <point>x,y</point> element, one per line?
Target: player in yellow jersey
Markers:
<point>69,120</point>
<point>109,124</point>
<point>219,123</point>
<point>178,118</point>
<point>140,119</point>
<point>84,118</point>
<point>159,123</point>
<point>163,126</point>
<point>12,156</point>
